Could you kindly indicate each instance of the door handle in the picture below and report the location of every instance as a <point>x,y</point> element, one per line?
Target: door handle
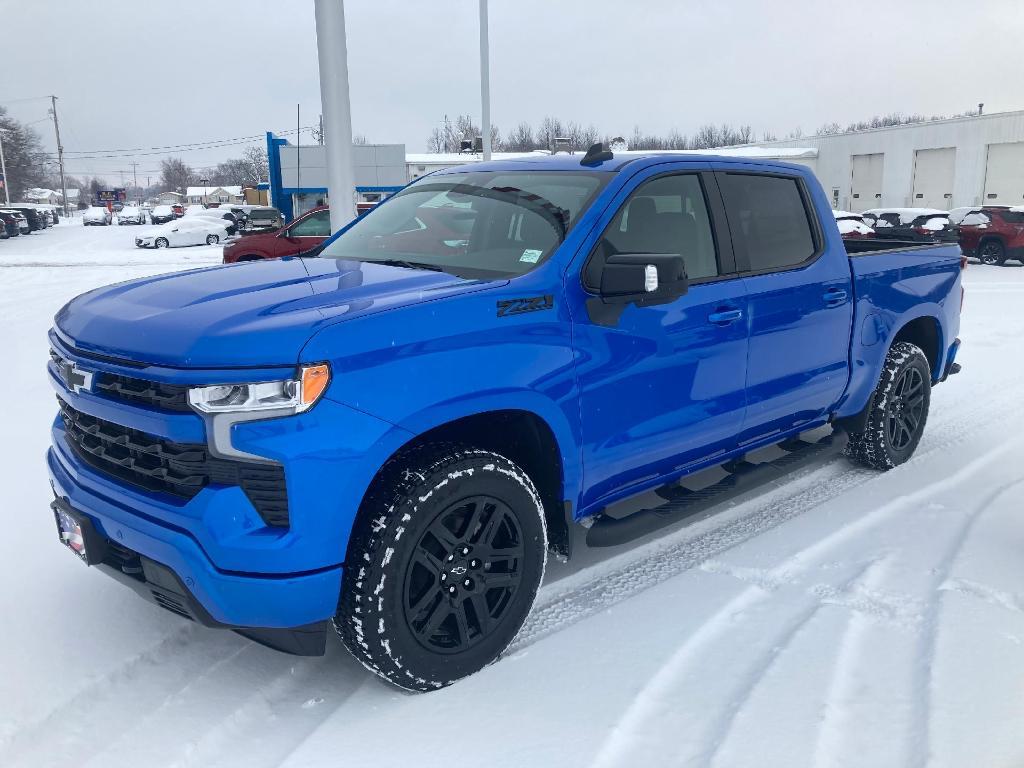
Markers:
<point>835,297</point>
<point>725,317</point>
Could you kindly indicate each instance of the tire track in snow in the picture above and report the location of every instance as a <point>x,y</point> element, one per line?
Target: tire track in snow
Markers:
<point>97,706</point>
<point>601,586</point>
<point>621,743</point>
<point>921,726</point>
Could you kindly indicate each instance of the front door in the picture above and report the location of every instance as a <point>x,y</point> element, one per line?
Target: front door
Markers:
<point>661,386</point>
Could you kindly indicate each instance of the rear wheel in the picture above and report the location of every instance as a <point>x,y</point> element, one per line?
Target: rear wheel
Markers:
<point>212,239</point>
<point>992,252</point>
<point>898,413</point>
<point>161,242</point>
<point>443,566</point>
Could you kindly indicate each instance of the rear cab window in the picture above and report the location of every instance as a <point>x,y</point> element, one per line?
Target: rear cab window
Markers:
<point>770,221</point>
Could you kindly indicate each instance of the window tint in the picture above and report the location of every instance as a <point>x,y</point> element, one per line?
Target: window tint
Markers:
<point>1012,217</point>
<point>768,220</point>
<point>317,225</point>
<point>664,215</point>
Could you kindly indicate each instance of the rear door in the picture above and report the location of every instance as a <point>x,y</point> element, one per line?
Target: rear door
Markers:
<point>799,295</point>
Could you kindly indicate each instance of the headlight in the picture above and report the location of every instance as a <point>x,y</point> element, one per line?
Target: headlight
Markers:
<point>289,396</point>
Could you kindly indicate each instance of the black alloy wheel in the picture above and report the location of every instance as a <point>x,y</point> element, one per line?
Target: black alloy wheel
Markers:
<point>906,408</point>
<point>465,571</point>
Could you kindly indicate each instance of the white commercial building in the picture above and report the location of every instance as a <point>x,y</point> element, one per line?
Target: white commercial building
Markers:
<point>936,164</point>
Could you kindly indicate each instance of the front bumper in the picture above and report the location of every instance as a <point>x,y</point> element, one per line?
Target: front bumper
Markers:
<point>241,571</point>
<point>161,585</point>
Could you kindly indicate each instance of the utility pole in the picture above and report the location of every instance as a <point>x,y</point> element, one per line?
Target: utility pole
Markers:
<point>135,176</point>
<point>60,156</point>
<point>332,52</point>
<point>485,82</point>
<point>3,172</point>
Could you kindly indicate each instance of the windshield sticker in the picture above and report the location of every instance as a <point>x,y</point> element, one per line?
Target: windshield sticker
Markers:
<point>530,256</point>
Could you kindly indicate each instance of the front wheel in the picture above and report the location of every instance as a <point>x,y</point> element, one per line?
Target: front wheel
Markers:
<point>161,242</point>
<point>443,566</point>
<point>992,253</point>
<point>899,410</point>
<point>212,239</point>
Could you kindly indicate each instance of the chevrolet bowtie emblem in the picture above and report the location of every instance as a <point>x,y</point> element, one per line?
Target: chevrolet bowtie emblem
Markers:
<point>74,377</point>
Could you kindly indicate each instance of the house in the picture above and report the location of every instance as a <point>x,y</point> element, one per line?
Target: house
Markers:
<point>40,195</point>
<point>214,194</point>
<point>168,198</point>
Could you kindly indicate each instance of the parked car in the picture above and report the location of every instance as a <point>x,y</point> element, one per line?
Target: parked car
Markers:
<point>851,225</point>
<point>32,217</point>
<point>392,439</point>
<point>221,214</point>
<point>306,232</point>
<point>161,214</point>
<point>993,234</point>
<point>194,231</point>
<point>131,214</point>
<point>911,224</point>
<point>15,222</point>
<point>264,218</point>
<point>96,215</point>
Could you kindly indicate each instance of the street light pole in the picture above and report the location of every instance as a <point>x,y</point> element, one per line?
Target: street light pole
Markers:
<point>485,82</point>
<point>3,172</point>
<point>60,156</point>
<point>332,53</point>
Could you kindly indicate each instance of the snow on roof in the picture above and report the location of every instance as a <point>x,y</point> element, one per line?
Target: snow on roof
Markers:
<point>845,214</point>
<point>231,189</point>
<point>773,153</point>
<point>1017,208</point>
<point>907,215</point>
<point>454,158</point>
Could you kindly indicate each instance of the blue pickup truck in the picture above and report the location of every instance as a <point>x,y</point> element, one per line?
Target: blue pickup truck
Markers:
<point>390,434</point>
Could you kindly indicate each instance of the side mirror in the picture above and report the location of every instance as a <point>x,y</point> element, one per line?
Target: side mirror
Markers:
<point>643,279</point>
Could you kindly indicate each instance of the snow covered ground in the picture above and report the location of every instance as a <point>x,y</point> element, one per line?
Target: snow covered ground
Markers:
<point>843,618</point>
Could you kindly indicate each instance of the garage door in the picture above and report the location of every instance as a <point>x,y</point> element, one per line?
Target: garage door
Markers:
<point>1004,175</point>
<point>866,189</point>
<point>933,178</point>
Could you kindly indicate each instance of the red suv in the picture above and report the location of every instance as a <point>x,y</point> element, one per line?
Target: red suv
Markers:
<point>307,231</point>
<point>993,235</point>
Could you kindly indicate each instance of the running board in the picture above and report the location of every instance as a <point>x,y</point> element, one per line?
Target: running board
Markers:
<point>683,503</point>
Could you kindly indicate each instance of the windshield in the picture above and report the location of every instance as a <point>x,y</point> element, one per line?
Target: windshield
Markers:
<point>487,225</point>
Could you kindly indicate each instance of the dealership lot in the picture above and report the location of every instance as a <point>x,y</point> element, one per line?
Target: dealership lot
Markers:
<point>843,617</point>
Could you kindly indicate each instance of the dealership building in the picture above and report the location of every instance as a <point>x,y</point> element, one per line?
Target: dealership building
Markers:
<point>942,164</point>
<point>936,164</point>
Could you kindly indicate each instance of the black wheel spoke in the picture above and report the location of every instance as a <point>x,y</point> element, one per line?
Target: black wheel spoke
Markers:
<point>494,579</point>
<point>435,619</point>
<point>478,603</point>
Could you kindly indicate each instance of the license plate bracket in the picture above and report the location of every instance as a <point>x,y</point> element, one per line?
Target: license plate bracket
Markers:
<point>78,534</point>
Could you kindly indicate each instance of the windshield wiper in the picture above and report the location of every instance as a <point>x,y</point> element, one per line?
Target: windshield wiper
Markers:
<point>406,264</point>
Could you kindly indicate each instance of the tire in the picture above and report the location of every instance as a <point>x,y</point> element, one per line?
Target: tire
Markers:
<point>992,253</point>
<point>212,239</point>
<point>445,535</point>
<point>161,242</point>
<point>899,410</point>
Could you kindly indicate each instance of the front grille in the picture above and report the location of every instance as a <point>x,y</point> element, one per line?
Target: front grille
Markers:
<point>156,394</point>
<point>179,469</point>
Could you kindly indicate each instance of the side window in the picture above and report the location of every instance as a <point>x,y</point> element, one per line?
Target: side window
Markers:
<point>668,214</point>
<point>769,222</point>
<point>317,225</point>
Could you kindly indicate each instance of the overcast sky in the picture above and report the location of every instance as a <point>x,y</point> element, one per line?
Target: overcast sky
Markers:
<point>151,74</point>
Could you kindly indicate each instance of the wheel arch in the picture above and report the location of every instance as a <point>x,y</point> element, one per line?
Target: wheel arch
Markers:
<point>521,435</point>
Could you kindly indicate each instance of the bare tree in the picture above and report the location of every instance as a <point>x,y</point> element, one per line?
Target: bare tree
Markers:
<point>520,139</point>
<point>258,166</point>
<point>176,175</point>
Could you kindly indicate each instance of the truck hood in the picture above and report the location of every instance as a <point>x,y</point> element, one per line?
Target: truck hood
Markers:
<point>255,314</point>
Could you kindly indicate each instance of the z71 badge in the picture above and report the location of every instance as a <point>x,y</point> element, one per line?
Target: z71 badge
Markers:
<point>519,306</point>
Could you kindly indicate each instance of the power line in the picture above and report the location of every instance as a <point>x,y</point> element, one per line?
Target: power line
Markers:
<point>95,154</point>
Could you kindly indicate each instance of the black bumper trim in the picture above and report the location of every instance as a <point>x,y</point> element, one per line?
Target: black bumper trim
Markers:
<point>158,584</point>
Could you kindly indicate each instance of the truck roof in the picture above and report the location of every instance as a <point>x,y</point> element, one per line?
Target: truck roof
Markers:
<point>564,161</point>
